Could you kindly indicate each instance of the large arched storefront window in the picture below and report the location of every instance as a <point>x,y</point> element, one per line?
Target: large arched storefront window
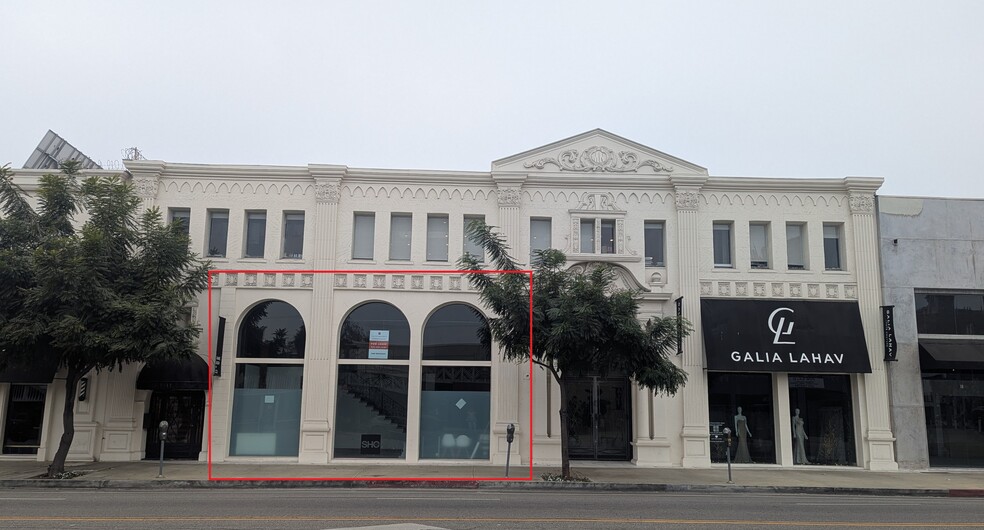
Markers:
<point>373,380</point>
<point>455,387</point>
<point>266,408</point>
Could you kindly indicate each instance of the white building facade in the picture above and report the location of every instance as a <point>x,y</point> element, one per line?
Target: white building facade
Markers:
<point>378,361</point>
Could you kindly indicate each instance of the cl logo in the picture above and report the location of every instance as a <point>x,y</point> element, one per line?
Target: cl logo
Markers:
<point>777,328</point>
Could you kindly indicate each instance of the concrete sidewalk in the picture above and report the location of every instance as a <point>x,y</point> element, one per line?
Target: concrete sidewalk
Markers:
<point>612,476</point>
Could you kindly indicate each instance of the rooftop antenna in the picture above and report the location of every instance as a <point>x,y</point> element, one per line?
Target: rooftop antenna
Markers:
<point>132,153</point>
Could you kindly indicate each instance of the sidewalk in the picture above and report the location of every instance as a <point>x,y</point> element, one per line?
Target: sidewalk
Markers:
<point>603,476</point>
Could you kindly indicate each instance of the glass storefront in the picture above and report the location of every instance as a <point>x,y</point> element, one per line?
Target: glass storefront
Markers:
<point>954,402</point>
<point>822,420</point>
<point>266,410</point>
<point>454,412</point>
<point>371,411</point>
<point>25,415</point>
<point>743,403</point>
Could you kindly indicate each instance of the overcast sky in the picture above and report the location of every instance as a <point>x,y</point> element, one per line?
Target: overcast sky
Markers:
<point>766,88</point>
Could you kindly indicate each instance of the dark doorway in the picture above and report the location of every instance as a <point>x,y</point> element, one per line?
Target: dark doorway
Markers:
<point>600,418</point>
<point>184,411</point>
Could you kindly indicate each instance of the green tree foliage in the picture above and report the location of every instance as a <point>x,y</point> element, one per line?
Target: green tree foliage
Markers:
<point>91,295</point>
<point>582,323</point>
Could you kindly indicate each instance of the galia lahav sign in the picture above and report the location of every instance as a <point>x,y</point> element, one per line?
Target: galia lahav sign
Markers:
<point>784,336</point>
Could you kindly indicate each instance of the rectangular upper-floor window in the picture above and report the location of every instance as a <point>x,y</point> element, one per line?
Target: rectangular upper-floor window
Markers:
<point>437,237</point>
<point>587,236</point>
<point>470,246</point>
<point>180,217</point>
<point>401,230</point>
<point>796,246</point>
<point>833,247</point>
<point>654,235</point>
<point>218,233</point>
<point>722,245</point>
<point>293,235</point>
<point>758,245</point>
<point>363,235</point>
<point>539,235</point>
<point>950,313</point>
<point>255,234</point>
<point>608,236</point>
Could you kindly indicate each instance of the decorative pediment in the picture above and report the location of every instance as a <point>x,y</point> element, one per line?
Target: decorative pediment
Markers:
<point>624,279</point>
<point>597,151</point>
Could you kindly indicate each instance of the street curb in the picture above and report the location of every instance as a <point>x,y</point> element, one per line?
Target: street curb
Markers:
<point>484,485</point>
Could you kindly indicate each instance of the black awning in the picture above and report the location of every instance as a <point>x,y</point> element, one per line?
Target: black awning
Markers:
<point>796,336</point>
<point>39,373</point>
<point>174,374</point>
<point>945,354</point>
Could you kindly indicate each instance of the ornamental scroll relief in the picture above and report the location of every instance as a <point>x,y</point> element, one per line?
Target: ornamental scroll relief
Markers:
<point>598,159</point>
<point>325,192</point>
<point>862,203</point>
<point>146,188</point>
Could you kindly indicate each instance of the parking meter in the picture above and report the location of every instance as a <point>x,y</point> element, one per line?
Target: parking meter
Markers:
<point>727,434</point>
<point>510,436</point>
<point>162,432</point>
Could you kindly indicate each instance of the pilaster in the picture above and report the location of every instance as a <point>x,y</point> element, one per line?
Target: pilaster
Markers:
<point>878,437</point>
<point>145,175</point>
<point>695,435</point>
<point>319,357</point>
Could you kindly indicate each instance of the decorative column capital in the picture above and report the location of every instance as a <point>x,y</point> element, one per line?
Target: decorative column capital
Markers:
<point>146,187</point>
<point>862,203</point>
<point>687,199</point>
<point>327,191</point>
<point>509,197</point>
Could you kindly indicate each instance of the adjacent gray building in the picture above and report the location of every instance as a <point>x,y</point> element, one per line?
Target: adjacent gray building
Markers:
<point>932,254</point>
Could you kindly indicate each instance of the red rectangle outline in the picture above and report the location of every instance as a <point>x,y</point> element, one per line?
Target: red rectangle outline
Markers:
<point>211,355</point>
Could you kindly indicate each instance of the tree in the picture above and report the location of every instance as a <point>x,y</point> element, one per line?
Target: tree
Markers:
<point>96,295</point>
<point>581,322</point>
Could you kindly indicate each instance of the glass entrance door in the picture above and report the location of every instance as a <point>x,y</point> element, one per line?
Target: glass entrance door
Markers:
<point>184,412</point>
<point>599,414</point>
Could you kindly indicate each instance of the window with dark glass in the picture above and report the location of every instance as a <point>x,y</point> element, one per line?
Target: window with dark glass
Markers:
<point>375,330</point>
<point>742,403</point>
<point>24,419</point>
<point>655,243</point>
<point>795,246</point>
<point>457,332</point>
<point>954,407</point>
<point>832,247</point>
<point>293,235</point>
<point>272,329</point>
<point>180,217</point>
<point>218,232</point>
<point>255,234</point>
<point>822,420</point>
<point>950,314</point>
<point>371,411</point>
<point>608,236</point>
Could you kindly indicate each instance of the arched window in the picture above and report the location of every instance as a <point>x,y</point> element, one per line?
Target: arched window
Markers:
<point>375,330</point>
<point>373,383</point>
<point>457,332</point>
<point>266,406</point>
<point>455,398</point>
<point>272,329</point>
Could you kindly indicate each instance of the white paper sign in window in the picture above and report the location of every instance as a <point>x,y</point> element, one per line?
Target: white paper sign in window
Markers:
<point>379,343</point>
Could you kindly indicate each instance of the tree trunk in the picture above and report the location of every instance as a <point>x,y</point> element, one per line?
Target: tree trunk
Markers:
<point>68,423</point>
<point>565,460</point>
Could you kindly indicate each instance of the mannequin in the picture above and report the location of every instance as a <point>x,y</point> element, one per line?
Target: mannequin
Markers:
<point>799,440</point>
<point>744,433</point>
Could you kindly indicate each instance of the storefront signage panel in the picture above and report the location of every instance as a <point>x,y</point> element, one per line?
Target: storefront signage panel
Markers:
<point>784,336</point>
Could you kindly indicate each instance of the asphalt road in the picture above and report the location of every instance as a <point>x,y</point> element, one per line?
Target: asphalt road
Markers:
<point>460,509</point>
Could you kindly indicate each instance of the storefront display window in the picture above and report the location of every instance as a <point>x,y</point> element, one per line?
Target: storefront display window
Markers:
<point>266,410</point>
<point>821,419</point>
<point>25,415</point>
<point>954,402</point>
<point>371,411</point>
<point>454,412</point>
<point>744,404</point>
